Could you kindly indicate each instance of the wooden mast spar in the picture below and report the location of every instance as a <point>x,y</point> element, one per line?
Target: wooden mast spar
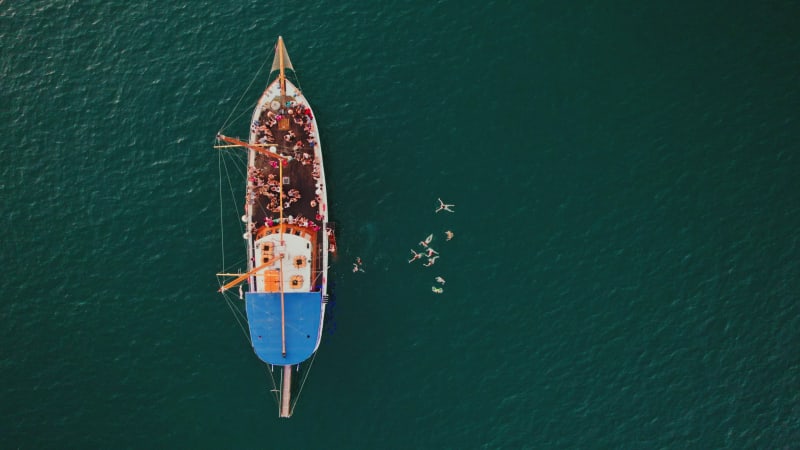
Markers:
<point>281,50</point>
<point>244,276</point>
<point>286,387</point>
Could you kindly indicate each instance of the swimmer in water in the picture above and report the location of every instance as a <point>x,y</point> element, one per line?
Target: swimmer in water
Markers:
<point>426,241</point>
<point>444,206</point>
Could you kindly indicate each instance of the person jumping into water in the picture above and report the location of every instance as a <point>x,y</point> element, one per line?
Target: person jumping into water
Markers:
<point>444,206</point>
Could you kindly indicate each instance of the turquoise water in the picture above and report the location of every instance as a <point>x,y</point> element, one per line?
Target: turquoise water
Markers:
<point>625,267</point>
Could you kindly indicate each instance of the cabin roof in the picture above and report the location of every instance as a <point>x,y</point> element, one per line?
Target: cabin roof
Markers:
<point>302,311</point>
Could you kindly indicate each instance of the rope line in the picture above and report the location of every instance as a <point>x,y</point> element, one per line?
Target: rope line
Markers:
<point>244,111</point>
<point>240,318</point>
<point>303,383</point>
<point>274,389</point>
<point>230,186</point>
<point>225,124</point>
<point>234,311</point>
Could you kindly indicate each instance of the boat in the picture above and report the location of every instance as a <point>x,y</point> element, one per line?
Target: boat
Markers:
<point>288,237</point>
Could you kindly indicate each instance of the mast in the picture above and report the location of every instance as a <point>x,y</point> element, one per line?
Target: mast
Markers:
<point>283,304</point>
<point>281,63</point>
<point>281,50</point>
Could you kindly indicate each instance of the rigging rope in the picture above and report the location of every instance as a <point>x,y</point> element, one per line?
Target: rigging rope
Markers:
<point>230,186</point>
<point>303,383</point>
<point>223,164</point>
<point>225,124</point>
<point>240,317</point>
<point>274,389</point>
<point>234,311</point>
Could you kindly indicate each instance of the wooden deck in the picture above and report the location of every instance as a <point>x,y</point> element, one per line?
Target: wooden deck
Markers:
<point>298,173</point>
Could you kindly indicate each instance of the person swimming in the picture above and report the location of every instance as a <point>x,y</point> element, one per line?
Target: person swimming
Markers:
<point>440,280</point>
<point>444,206</point>
<point>426,241</point>
<point>449,234</point>
<point>437,290</point>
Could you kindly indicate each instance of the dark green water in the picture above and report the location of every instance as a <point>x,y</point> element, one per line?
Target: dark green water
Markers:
<point>626,261</point>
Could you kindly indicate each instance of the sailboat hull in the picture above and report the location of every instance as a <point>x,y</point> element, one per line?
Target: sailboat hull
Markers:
<point>288,233</point>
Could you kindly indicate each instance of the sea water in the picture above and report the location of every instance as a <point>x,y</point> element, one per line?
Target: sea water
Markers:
<point>624,271</point>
